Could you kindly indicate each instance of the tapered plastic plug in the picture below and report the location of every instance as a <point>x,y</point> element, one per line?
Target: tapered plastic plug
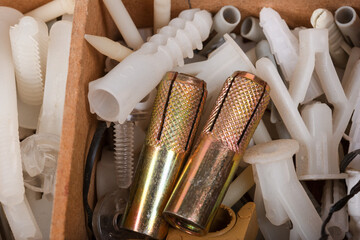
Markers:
<point>284,197</point>
<point>115,95</point>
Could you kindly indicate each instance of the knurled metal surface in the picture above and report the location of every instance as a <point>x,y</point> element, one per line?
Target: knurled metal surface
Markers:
<point>176,113</point>
<point>238,110</point>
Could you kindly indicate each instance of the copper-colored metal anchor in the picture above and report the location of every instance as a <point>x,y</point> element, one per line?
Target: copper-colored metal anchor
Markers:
<point>212,163</point>
<point>175,117</point>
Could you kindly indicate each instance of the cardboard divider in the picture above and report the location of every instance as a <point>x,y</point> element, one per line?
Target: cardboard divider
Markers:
<point>86,64</point>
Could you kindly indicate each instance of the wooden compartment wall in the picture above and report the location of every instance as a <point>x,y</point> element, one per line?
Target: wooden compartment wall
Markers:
<point>86,64</point>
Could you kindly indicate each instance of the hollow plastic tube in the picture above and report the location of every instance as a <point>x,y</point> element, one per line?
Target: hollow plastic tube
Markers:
<point>338,226</point>
<point>349,24</point>
<point>115,95</point>
<point>322,18</point>
<point>39,152</point>
<point>124,23</point>
<point>11,180</point>
<point>225,20</point>
<point>162,13</point>
<point>53,9</point>
<point>250,29</point>
<point>239,187</point>
<point>108,47</point>
<point>22,221</point>
<point>285,47</point>
<point>353,205</point>
<point>284,197</point>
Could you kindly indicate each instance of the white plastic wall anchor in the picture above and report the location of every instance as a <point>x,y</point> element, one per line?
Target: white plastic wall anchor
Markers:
<point>314,52</point>
<point>124,23</point>
<point>268,230</point>
<point>239,187</point>
<point>339,49</point>
<point>310,164</point>
<point>250,29</point>
<point>39,152</point>
<point>21,220</point>
<point>115,95</point>
<point>108,47</point>
<point>333,191</point>
<point>29,43</point>
<point>284,197</point>
<point>225,21</point>
<point>11,180</point>
<point>349,24</point>
<point>162,13</point>
<point>285,47</point>
<point>353,205</point>
<point>53,9</point>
